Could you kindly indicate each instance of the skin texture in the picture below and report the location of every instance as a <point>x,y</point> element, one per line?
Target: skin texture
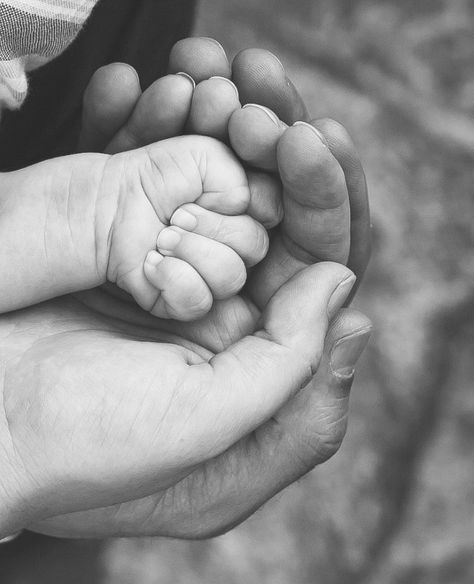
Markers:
<point>214,494</point>
<point>85,210</point>
<point>86,440</point>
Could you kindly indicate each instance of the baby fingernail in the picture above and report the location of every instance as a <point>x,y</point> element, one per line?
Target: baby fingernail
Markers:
<point>182,74</point>
<point>265,110</point>
<point>313,129</point>
<point>184,219</point>
<point>154,258</point>
<point>228,81</point>
<point>167,240</point>
<point>346,352</point>
<point>340,294</point>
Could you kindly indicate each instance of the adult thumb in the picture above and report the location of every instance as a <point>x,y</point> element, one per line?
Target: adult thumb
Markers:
<point>253,378</point>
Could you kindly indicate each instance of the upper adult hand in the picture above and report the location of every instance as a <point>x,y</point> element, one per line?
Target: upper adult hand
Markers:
<point>261,79</point>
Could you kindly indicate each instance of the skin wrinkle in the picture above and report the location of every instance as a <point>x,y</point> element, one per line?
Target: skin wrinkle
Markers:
<point>110,233</point>
<point>202,387</point>
<point>211,521</point>
<point>45,233</point>
<point>188,185</point>
<point>157,175</point>
<point>68,213</point>
<point>334,218</point>
<point>8,414</point>
<point>119,206</point>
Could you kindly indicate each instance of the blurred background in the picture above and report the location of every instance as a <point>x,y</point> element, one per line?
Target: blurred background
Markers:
<point>396,504</point>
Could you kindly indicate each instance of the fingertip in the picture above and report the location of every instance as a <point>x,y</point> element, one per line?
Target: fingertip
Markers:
<point>346,343</point>
<point>312,129</point>
<point>254,132</point>
<point>214,101</point>
<point>188,77</point>
<point>108,78</point>
<point>161,112</point>
<point>164,108</point>
<point>335,134</point>
<point>249,63</point>
<point>341,293</point>
<point>261,78</point>
<point>227,82</point>
<point>108,102</point>
<point>307,167</point>
<point>200,57</point>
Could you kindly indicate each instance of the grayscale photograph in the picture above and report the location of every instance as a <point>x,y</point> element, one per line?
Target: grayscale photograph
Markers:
<point>236,291</point>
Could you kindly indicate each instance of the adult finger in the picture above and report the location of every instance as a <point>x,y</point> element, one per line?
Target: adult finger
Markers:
<point>160,113</point>
<point>254,132</point>
<point>316,223</point>
<point>109,99</point>
<point>343,149</point>
<point>260,78</point>
<point>200,57</point>
<point>214,101</point>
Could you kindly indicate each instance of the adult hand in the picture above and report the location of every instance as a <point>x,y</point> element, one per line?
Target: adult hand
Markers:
<point>305,432</point>
<point>98,413</point>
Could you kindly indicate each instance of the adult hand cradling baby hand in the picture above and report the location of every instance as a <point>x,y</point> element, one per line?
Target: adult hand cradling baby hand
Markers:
<point>117,423</point>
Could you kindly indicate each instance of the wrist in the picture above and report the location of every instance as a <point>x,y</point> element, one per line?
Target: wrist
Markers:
<point>49,224</point>
<point>85,213</point>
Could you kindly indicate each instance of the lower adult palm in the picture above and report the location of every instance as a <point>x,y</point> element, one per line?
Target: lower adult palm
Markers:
<point>101,410</point>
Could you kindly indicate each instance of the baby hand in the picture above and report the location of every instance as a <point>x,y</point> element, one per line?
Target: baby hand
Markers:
<point>180,238</point>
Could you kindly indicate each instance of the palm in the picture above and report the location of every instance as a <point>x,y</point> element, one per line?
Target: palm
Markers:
<point>121,391</point>
<point>118,422</point>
